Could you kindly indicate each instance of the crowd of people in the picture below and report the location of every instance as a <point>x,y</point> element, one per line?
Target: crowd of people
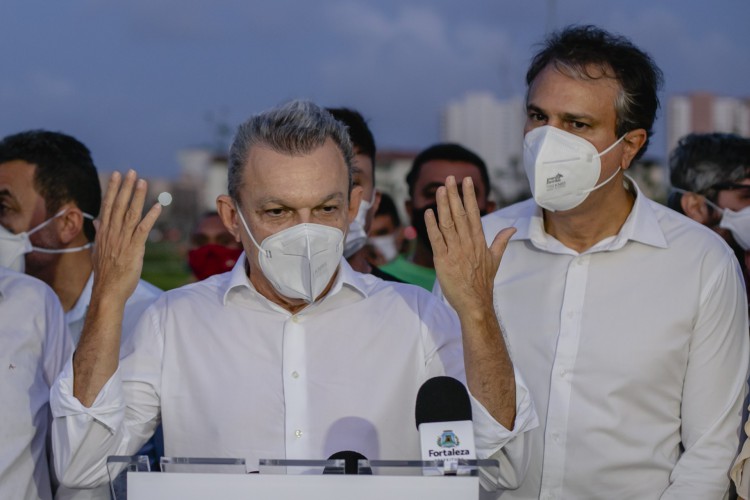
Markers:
<point>603,337</point>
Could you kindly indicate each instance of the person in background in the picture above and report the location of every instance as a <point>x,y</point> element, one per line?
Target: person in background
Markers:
<point>34,346</point>
<point>385,240</point>
<point>50,194</point>
<point>213,249</point>
<point>710,176</point>
<point>428,172</point>
<point>628,320</point>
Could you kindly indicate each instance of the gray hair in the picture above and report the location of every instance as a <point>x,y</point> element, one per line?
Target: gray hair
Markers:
<point>295,128</point>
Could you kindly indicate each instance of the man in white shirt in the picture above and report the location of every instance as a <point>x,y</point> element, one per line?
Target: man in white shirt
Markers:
<point>33,349</point>
<point>627,319</point>
<point>50,189</point>
<point>291,354</point>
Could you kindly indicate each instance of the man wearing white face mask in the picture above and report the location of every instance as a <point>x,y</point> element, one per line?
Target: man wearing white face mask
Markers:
<point>50,193</point>
<point>628,320</point>
<point>710,175</point>
<point>363,174</point>
<point>292,354</point>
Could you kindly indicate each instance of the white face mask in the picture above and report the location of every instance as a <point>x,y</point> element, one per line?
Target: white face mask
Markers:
<point>738,223</point>
<point>356,237</point>
<point>562,168</point>
<point>386,245</point>
<point>14,247</point>
<point>299,261</point>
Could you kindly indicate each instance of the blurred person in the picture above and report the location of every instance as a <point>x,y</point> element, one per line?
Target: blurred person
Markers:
<point>50,194</point>
<point>385,239</point>
<point>428,172</point>
<point>710,176</point>
<point>213,249</point>
<point>265,330</point>
<point>628,320</point>
<point>33,348</point>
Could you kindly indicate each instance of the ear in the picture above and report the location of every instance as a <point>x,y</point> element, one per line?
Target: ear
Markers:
<point>228,213</point>
<point>633,142</point>
<point>375,203</point>
<point>695,207</point>
<point>70,225</point>
<point>355,198</point>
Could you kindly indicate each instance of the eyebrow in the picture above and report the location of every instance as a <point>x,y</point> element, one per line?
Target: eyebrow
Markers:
<point>565,116</point>
<point>283,203</point>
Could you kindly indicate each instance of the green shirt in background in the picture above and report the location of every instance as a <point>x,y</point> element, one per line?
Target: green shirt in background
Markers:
<point>408,272</point>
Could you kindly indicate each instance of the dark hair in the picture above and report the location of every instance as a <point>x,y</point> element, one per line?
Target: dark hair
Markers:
<point>706,164</point>
<point>448,152</point>
<point>360,134</point>
<point>297,127</point>
<point>388,207</point>
<point>576,49</point>
<point>64,171</point>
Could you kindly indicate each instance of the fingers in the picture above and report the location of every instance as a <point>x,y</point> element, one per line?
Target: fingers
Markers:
<point>500,243</point>
<point>436,236</point>
<point>471,206</point>
<point>145,226</point>
<point>109,197</point>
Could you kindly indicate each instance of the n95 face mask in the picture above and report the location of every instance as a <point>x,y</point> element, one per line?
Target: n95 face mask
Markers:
<point>356,237</point>
<point>301,260</point>
<point>737,223</point>
<point>14,247</point>
<point>562,168</point>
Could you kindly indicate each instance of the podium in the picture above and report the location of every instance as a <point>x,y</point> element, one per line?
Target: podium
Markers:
<point>227,479</point>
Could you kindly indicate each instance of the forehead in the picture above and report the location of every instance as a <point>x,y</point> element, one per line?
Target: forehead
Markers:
<point>563,92</point>
<point>436,171</point>
<point>298,179</point>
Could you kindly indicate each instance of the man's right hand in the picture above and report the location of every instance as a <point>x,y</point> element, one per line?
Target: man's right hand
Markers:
<point>117,260</point>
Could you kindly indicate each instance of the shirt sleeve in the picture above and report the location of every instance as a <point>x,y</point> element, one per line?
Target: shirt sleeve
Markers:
<point>121,419</point>
<point>493,441</point>
<point>714,389</point>
<point>58,346</point>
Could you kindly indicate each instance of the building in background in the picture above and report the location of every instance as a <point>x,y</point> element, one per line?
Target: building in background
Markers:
<point>703,112</point>
<point>493,129</point>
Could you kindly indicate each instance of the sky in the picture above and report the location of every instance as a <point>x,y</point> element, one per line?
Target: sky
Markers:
<point>138,80</point>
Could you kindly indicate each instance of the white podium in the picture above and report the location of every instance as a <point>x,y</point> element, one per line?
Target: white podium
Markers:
<point>226,479</point>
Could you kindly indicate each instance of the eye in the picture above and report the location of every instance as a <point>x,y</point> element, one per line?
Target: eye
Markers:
<point>535,116</point>
<point>329,209</point>
<point>274,212</point>
<point>575,125</point>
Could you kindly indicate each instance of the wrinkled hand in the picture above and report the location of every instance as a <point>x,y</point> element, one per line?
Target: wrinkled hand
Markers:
<point>465,266</point>
<point>121,236</point>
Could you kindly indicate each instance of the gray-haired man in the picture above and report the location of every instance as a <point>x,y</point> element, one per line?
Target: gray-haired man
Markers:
<point>291,354</point>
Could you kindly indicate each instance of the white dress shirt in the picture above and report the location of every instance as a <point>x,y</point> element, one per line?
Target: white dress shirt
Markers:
<point>34,347</point>
<point>231,374</point>
<point>143,296</point>
<point>635,353</point>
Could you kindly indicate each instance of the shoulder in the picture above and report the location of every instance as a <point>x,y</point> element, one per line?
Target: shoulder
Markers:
<point>684,234</point>
<point>18,287</point>
<point>507,215</point>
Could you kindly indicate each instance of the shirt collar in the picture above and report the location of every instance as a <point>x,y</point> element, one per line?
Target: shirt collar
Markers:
<point>82,304</point>
<point>347,281</point>
<point>641,225</point>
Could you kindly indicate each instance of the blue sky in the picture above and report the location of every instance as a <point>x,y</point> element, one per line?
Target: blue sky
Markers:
<point>137,80</point>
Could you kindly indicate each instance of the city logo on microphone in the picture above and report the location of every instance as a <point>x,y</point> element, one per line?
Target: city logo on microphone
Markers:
<point>448,439</point>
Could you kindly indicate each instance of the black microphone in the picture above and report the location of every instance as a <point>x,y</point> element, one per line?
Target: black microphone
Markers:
<point>351,466</point>
<point>443,417</point>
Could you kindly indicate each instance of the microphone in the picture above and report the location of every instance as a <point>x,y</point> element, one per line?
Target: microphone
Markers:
<point>443,417</point>
<point>351,466</point>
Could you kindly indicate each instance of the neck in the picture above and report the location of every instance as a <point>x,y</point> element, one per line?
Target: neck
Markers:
<point>68,276</point>
<point>358,261</point>
<point>422,255</point>
<point>601,215</point>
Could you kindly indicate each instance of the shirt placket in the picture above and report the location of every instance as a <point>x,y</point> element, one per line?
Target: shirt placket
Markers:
<point>295,393</point>
<point>558,410</point>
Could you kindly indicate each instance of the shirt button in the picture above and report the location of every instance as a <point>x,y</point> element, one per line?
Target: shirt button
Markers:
<point>298,433</point>
<point>563,372</point>
<point>295,374</point>
<point>295,319</point>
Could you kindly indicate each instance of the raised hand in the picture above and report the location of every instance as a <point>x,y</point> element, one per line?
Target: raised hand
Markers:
<point>118,260</point>
<point>465,266</point>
